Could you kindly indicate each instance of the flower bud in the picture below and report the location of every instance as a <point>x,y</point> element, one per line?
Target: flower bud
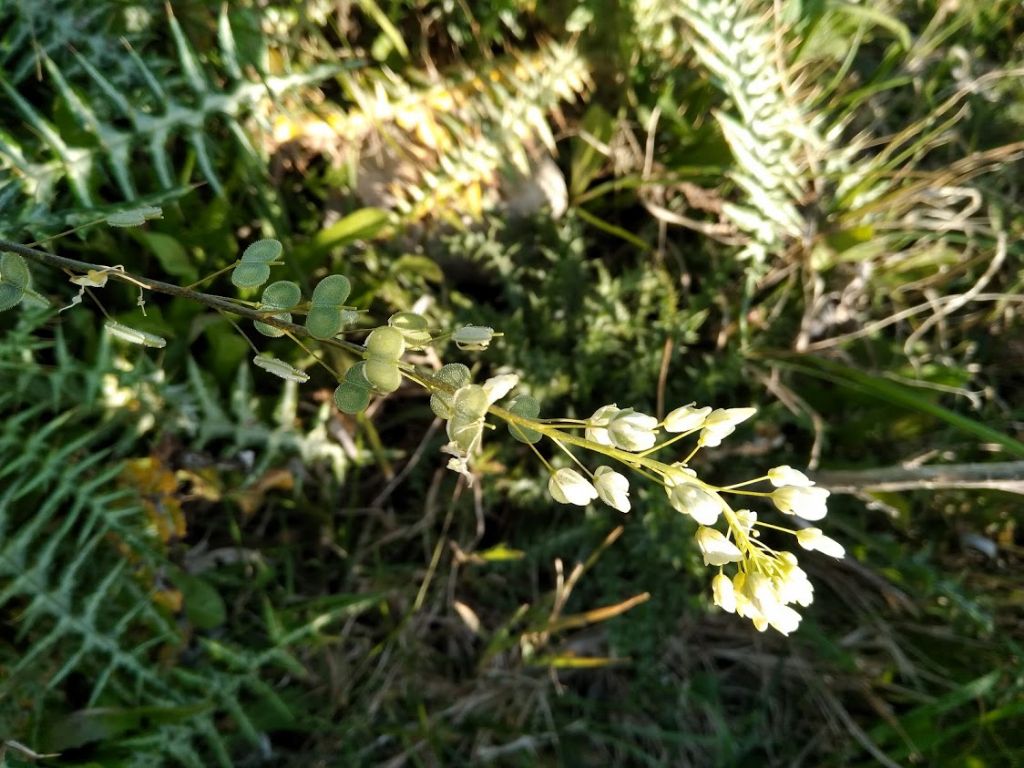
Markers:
<point>597,431</point>
<point>612,488</point>
<point>721,423</point>
<point>632,431</point>
<point>568,486</point>
<point>724,594</point>
<point>813,539</point>
<point>808,503</point>
<point>716,548</point>
<point>686,418</point>
<point>690,499</point>
<point>786,475</point>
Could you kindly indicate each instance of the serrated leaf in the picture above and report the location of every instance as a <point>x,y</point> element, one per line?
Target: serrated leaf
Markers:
<point>529,408</point>
<point>351,398</point>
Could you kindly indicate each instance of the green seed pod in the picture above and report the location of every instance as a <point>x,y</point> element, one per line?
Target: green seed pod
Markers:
<point>357,375</point>
<point>135,217</point>
<point>253,271</point>
<point>281,368</point>
<point>283,294</point>
<point>15,280</point>
<point>332,291</point>
<point>528,407</point>
<point>250,275</point>
<point>263,252</point>
<point>470,401</point>
<point>351,398</point>
<point>456,376</point>
<point>473,337</point>
<point>134,335</point>
<point>413,328</point>
<point>385,343</point>
<point>383,375</point>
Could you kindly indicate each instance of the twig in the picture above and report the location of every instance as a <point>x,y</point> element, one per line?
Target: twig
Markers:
<point>998,476</point>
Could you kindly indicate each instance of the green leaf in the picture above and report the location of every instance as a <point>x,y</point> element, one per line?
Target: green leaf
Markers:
<point>529,408</point>
<point>357,375</point>
<point>15,280</point>
<point>203,604</point>
<point>170,253</point>
<point>351,398</point>
<point>360,225</point>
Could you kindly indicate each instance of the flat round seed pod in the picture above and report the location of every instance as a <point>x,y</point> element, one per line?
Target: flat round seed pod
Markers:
<point>385,343</point>
<point>383,375</point>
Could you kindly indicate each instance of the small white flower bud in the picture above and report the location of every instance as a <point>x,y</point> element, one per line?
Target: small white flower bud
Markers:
<point>721,423</point>
<point>597,431</point>
<point>686,418</point>
<point>568,486</point>
<point>813,539</point>
<point>716,548</point>
<point>786,475</point>
<point>690,499</point>
<point>724,595</point>
<point>632,431</point>
<point>612,488</point>
<point>808,503</point>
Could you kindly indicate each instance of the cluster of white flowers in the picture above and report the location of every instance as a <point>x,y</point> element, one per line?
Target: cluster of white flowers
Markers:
<point>766,582</point>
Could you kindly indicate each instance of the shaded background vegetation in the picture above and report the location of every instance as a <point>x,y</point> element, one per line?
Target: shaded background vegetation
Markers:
<point>813,207</point>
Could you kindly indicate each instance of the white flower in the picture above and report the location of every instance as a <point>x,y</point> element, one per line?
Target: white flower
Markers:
<point>814,539</point>
<point>761,592</point>
<point>808,503</point>
<point>613,488</point>
<point>747,519</point>
<point>690,499</point>
<point>794,586</point>
<point>724,594</point>
<point>686,418</point>
<point>497,387</point>
<point>786,475</point>
<point>784,619</point>
<point>597,432</point>
<point>632,431</point>
<point>721,423</point>
<point>568,486</point>
<point>716,548</point>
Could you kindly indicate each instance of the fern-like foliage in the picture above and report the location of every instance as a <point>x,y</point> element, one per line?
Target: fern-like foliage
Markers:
<point>91,649</point>
<point>115,123</point>
<point>422,145</point>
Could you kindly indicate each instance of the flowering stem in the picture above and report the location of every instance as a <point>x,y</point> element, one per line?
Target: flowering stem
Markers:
<point>745,482</point>
<point>668,442</point>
